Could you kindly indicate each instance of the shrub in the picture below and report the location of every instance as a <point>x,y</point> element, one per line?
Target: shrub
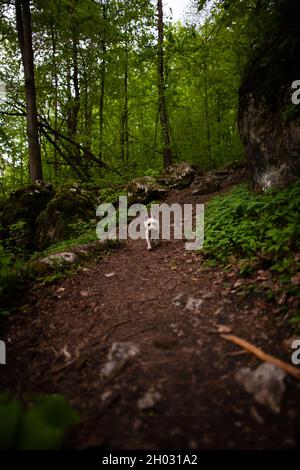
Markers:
<point>252,225</point>
<point>40,426</point>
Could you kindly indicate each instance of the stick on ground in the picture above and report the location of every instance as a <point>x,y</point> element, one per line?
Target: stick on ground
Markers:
<point>289,369</point>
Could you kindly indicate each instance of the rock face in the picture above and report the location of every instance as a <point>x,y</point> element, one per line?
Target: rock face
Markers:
<point>19,213</point>
<point>179,176</point>
<point>36,216</point>
<point>269,122</point>
<point>144,190</point>
<point>68,206</point>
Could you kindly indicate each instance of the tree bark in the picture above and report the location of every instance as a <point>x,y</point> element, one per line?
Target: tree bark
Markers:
<point>102,80</point>
<point>73,104</point>
<point>124,117</point>
<point>55,79</point>
<point>164,120</point>
<point>23,20</point>
<point>207,122</point>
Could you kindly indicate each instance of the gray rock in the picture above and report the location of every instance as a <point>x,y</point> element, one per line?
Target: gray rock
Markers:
<point>149,400</point>
<point>144,190</point>
<point>60,259</point>
<point>265,383</point>
<point>179,176</point>
<point>119,354</point>
<point>193,305</point>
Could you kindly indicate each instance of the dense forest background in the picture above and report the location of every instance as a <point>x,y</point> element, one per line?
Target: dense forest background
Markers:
<point>98,87</point>
<point>102,98</point>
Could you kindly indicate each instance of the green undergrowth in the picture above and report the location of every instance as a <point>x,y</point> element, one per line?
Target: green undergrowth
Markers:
<point>41,424</point>
<point>256,230</point>
<point>17,271</point>
<point>85,234</point>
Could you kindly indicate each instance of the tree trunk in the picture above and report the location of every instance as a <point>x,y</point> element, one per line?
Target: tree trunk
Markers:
<point>102,80</point>
<point>207,122</point>
<point>23,19</point>
<point>164,120</point>
<point>124,119</point>
<point>76,103</point>
<point>73,101</point>
<point>55,79</point>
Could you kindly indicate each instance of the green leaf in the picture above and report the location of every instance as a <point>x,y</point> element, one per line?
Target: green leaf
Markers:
<point>10,414</point>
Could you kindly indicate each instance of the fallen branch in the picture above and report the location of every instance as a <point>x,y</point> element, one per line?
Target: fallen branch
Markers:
<point>44,125</point>
<point>63,155</point>
<point>291,370</point>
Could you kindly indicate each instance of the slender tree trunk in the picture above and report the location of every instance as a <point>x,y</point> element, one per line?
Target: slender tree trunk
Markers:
<point>73,101</point>
<point>207,122</point>
<point>76,101</point>
<point>55,78</point>
<point>125,113</point>
<point>88,110</point>
<point>102,80</point>
<point>69,101</point>
<point>164,120</point>
<point>23,19</point>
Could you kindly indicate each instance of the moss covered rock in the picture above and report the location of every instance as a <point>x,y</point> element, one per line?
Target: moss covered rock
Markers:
<point>19,212</point>
<point>73,256</point>
<point>58,220</point>
<point>144,190</point>
<point>179,176</point>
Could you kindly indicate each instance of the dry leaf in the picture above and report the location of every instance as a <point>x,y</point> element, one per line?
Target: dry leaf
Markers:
<point>296,280</point>
<point>223,329</point>
<point>109,275</point>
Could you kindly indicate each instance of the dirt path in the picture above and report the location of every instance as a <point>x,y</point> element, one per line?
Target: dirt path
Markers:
<point>61,344</point>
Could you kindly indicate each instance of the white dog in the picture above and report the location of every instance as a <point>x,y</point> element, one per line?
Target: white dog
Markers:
<point>152,232</point>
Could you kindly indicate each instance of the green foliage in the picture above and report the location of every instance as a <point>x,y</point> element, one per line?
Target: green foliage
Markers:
<point>17,227</point>
<point>204,63</point>
<point>251,226</point>
<point>86,233</point>
<point>296,321</point>
<point>40,426</point>
<point>111,194</point>
<point>291,112</point>
<point>12,271</point>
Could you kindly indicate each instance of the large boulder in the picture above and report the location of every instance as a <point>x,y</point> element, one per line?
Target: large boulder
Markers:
<point>73,256</point>
<point>144,190</point>
<point>179,176</point>
<point>269,122</point>
<point>19,212</point>
<point>69,206</point>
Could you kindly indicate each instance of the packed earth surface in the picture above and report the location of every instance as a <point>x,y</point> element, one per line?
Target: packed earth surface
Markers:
<point>134,342</point>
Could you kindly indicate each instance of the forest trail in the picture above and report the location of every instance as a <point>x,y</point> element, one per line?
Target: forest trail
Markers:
<point>168,306</point>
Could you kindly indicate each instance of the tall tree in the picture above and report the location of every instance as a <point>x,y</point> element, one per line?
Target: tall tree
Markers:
<point>103,49</point>
<point>164,119</point>
<point>23,20</point>
<point>124,140</point>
